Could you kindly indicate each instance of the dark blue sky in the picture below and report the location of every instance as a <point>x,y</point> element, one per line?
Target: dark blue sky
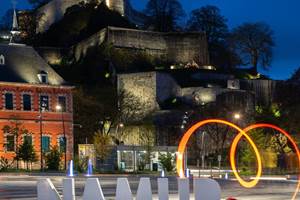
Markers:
<point>282,16</point>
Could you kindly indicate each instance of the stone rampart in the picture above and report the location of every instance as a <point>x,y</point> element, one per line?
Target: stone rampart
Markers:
<point>175,47</point>
<point>52,12</point>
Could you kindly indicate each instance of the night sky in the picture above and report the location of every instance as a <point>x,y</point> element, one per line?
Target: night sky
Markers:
<point>282,16</point>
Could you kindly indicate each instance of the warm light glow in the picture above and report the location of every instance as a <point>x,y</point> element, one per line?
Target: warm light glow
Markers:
<point>254,126</point>
<point>58,107</point>
<point>237,116</point>
<point>187,135</point>
<point>250,184</point>
<point>108,3</point>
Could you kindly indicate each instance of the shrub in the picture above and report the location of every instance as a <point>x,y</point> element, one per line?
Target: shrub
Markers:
<point>53,159</point>
<point>166,160</point>
<point>81,164</point>
<point>5,164</point>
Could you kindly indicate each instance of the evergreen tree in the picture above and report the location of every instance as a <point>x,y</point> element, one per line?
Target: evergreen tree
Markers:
<point>53,159</point>
<point>26,153</point>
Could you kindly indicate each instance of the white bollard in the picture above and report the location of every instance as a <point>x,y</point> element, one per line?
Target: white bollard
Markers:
<point>163,188</point>
<point>206,189</point>
<point>144,190</point>
<point>123,190</point>
<point>46,190</point>
<point>69,189</point>
<point>184,188</point>
<point>92,190</point>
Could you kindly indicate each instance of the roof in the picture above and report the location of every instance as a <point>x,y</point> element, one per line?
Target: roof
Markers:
<point>23,64</point>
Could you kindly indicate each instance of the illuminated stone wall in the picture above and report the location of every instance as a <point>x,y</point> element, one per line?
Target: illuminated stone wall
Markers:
<point>153,88</point>
<point>80,49</point>
<point>264,90</point>
<point>52,12</point>
<point>143,87</point>
<point>175,47</point>
<point>117,5</point>
<point>55,10</point>
<point>52,55</point>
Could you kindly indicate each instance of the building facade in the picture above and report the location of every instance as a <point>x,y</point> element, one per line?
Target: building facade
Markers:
<point>35,100</point>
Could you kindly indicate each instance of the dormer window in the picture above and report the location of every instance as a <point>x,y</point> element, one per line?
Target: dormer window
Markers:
<point>2,60</point>
<point>43,77</point>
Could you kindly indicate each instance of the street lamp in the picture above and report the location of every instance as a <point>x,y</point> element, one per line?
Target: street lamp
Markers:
<point>42,108</point>
<point>60,109</point>
<point>237,116</point>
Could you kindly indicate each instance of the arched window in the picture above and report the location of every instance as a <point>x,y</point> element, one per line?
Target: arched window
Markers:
<point>2,60</point>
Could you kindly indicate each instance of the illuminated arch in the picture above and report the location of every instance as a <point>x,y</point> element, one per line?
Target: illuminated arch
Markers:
<point>187,135</point>
<point>254,126</point>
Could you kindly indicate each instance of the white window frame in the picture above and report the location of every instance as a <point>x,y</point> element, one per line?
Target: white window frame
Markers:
<point>2,59</point>
<point>42,75</point>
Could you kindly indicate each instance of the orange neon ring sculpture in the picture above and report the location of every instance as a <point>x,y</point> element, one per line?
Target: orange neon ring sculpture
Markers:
<point>254,126</point>
<point>187,135</point>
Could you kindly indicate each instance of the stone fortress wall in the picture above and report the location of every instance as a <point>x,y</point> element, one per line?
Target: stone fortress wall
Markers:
<point>55,10</point>
<point>142,86</point>
<point>153,88</point>
<point>175,47</point>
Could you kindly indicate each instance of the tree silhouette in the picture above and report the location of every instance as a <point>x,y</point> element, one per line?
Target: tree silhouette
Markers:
<point>253,42</point>
<point>26,153</point>
<point>163,14</point>
<point>208,19</point>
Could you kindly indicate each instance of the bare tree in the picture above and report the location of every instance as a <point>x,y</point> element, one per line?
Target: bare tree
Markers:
<point>147,139</point>
<point>253,42</point>
<point>163,14</point>
<point>102,144</point>
<point>208,19</point>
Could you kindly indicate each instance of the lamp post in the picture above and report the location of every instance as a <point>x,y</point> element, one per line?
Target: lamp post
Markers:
<point>41,135</point>
<point>237,117</point>
<point>120,125</point>
<point>59,108</point>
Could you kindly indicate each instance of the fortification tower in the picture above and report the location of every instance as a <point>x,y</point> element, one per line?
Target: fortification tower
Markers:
<point>117,5</point>
<point>55,10</point>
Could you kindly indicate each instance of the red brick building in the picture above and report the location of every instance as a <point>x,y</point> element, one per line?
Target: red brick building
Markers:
<point>30,91</point>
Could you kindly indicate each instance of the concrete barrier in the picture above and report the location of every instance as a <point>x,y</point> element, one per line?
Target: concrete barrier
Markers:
<point>123,190</point>
<point>46,190</point>
<point>93,190</point>
<point>163,188</point>
<point>184,188</point>
<point>68,189</point>
<point>144,191</point>
<point>206,189</point>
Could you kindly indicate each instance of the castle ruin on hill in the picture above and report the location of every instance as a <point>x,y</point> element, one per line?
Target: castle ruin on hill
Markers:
<point>55,10</point>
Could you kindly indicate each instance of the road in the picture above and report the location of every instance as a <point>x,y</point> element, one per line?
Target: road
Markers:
<point>24,187</point>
